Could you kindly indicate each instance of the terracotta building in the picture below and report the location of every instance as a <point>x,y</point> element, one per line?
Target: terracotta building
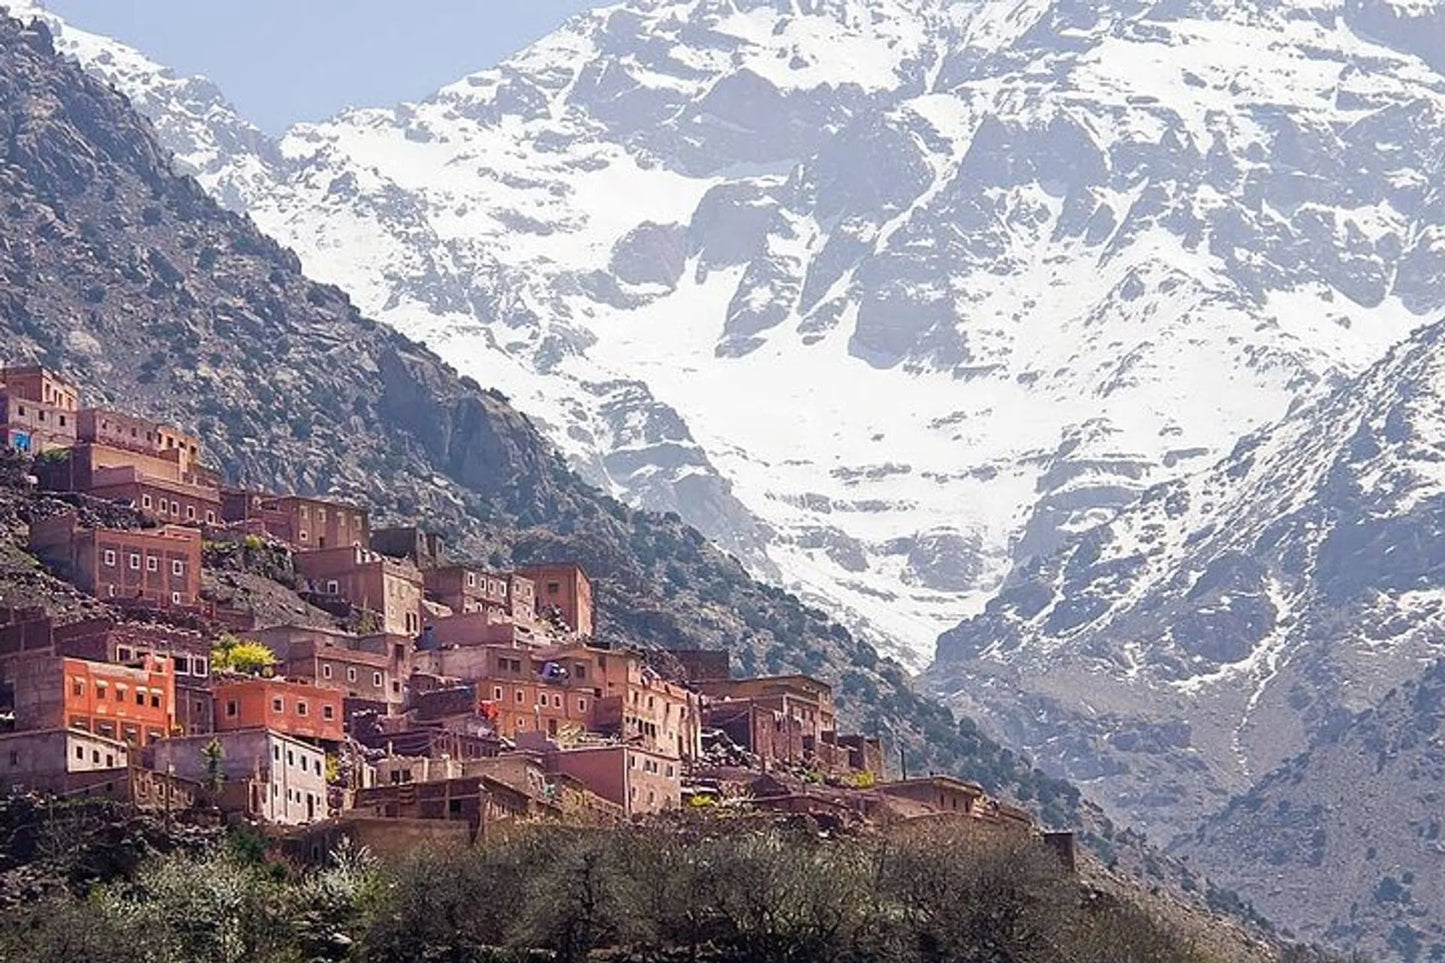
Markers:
<point>942,794</point>
<point>38,409</point>
<point>268,775</point>
<point>564,590</point>
<point>303,523</point>
<point>639,780</point>
<point>787,718</point>
<point>116,429</point>
<point>387,587</point>
<point>292,708</point>
<point>159,567</point>
<point>300,643</point>
<point>478,801</point>
<point>162,486</point>
<point>186,652</point>
<point>132,705</point>
<point>476,628</point>
<point>514,704</point>
<point>633,702</point>
<point>355,674</point>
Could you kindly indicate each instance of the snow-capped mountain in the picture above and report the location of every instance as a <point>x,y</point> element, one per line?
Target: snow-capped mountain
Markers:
<point>885,294</point>
<point>1231,620</point>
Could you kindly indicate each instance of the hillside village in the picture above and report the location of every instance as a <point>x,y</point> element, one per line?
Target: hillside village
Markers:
<point>402,697</point>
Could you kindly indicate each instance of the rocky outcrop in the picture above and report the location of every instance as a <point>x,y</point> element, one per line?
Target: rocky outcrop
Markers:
<point>1220,626</point>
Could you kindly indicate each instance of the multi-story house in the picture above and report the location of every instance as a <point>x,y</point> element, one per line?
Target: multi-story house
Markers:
<point>132,705</point>
<point>38,409</point>
<point>187,652</point>
<point>633,702</point>
<point>164,485</point>
<point>158,567</point>
<point>331,657</point>
<point>294,708</point>
<point>116,429</point>
<point>264,773</point>
<point>467,590</point>
<point>303,523</point>
<point>48,759</point>
<point>637,779</point>
<point>780,718</point>
<point>564,591</point>
<point>389,588</point>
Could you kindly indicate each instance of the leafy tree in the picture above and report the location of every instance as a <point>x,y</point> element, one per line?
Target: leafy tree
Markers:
<point>232,654</point>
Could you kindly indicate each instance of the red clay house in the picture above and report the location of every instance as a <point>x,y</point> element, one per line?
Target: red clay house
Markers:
<point>390,588</point>
<point>565,590</point>
<point>133,705</point>
<point>159,484</point>
<point>304,523</point>
<point>157,567</point>
<point>293,708</point>
<point>37,409</point>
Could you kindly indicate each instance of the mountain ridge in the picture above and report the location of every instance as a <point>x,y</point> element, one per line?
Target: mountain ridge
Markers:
<point>1178,658</point>
<point>1079,248</point>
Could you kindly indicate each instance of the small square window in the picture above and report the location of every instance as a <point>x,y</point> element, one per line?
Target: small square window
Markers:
<point>190,512</point>
<point>333,587</point>
<point>327,712</point>
<point>155,700</point>
<point>278,705</point>
<point>351,673</point>
<point>146,501</point>
<point>376,679</point>
<point>300,707</point>
<point>210,517</point>
<point>325,671</point>
<point>109,558</point>
<point>175,598</point>
<point>153,564</point>
<point>135,561</point>
<point>178,567</point>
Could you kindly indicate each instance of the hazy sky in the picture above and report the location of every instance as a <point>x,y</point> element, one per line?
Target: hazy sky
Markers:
<point>281,61</point>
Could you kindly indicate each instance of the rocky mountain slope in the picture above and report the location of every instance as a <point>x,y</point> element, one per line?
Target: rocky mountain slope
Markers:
<point>1351,827</point>
<point>883,294</point>
<point>1230,621</point>
<point>129,278</point>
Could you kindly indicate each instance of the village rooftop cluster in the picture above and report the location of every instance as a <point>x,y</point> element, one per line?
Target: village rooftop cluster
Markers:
<point>445,699</point>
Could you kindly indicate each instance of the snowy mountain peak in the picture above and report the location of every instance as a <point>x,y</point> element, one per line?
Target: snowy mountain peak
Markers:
<point>886,295</point>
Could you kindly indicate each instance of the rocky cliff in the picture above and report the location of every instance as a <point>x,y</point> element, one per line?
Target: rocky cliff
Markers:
<point>1350,828</point>
<point>1173,657</point>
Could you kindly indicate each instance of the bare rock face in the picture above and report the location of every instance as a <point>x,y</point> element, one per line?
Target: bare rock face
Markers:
<point>1227,644</point>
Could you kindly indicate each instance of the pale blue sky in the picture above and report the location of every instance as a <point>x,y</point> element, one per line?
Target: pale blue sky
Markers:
<point>282,61</point>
